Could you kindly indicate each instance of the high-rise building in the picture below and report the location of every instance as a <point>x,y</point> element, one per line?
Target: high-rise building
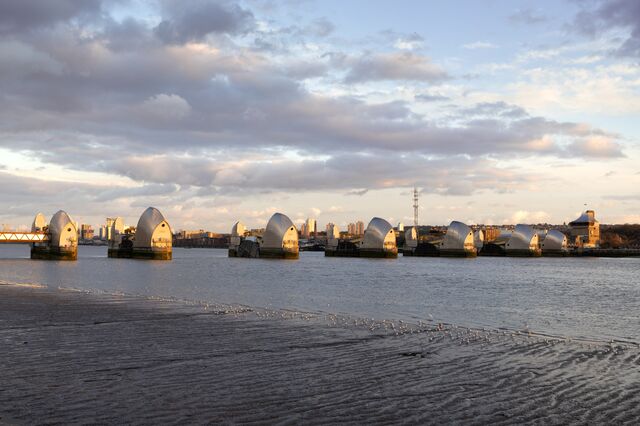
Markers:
<point>86,232</point>
<point>311,228</point>
<point>102,233</point>
<point>108,225</point>
<point>356,228</point>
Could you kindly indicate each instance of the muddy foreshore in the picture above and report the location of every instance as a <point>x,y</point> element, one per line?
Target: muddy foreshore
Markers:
<point>72,357</point>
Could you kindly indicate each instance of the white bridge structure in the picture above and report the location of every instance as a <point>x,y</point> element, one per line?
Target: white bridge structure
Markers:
<point>23,237</point>
<point>56,240</point>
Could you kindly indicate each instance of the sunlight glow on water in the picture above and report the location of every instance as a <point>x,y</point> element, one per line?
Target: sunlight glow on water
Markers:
<point>576,297</point>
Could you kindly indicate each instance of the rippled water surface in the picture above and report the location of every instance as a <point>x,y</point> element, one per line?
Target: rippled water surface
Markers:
<point>594,298</point>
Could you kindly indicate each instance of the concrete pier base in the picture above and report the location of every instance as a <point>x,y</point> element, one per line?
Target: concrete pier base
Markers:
<point>374,254</point>
<point>269,253</point>
<point>54,253</point>
<point>458,253</point>
<point>423,250</point>
<point>524,253</point>
<point>127,253</point>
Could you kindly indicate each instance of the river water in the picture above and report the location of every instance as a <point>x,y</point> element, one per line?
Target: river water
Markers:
<point>580,298</point>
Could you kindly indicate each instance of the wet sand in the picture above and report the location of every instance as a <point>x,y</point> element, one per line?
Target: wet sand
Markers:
<point>72,357</point>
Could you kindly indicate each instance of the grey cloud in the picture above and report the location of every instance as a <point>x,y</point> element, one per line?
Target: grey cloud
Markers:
<point>302,70</point>
<point>424,97</point>
<point>23,15</point>
<point>527,16</point>
<point>321,27</point>
<point>195,19</point>
<point>494,109</point>
<point>86,203</point>
<point>393,66</point>
<point>143,192</point>
<point>609,15</point>
<point>174,114</point>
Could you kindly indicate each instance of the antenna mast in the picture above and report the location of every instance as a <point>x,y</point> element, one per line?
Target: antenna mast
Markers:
<point>415,207</point>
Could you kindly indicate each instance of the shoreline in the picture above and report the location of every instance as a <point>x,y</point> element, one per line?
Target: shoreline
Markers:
<point>398,325</point>
<point>74,357</point>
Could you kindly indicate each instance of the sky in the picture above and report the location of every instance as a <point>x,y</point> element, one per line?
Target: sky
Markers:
<point>499,112</point>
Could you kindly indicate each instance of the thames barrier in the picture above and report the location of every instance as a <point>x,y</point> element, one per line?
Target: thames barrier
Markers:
<point>152,238</point>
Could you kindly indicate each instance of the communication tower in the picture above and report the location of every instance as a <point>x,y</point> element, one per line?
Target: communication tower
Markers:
<point>415,207</point>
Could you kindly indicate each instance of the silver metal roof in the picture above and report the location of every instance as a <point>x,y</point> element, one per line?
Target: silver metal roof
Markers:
<point>379,233</point>
<point>458,237</point>
<point>62,229</point>
<point>524,237</point>
<point>279,228</point>
<point>147,224</point>
<point>554,240</point>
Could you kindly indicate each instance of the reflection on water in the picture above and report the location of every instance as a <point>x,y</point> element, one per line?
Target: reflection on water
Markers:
<point>576,297</point>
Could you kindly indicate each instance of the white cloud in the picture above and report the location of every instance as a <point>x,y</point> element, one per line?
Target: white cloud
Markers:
<point>165,107</point>
<point>480,45</point>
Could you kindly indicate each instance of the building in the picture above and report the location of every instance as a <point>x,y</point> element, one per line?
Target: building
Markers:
<point>152,238</point>
<point>201,233</point>
<point>585,230</point>
<point>108,231</point>
<point>329,228</point>
<point>356,228</point>
<point>86,232</point>
<point>310,228</point>
<point>458,241</point>
<point>379,241</point>
<point>524,241</point>
<point>280,238</point>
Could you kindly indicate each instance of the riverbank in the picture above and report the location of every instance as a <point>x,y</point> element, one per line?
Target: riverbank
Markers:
<point>73,357</point>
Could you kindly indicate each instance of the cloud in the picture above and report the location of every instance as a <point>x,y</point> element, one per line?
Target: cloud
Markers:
<point>411,41</point>
<point>609,15</point>
<point>596,147</point>
<point>527,217</point>
<point>425,97</point>
<point>527,16</point>
<point>393,66</point>
<point>193,112</point>
<point>357,192</point>
<point>479,45</point>
<point>321,27</point>
<point>18,16</point>
<point>165,107</point>
<point>193,20</point>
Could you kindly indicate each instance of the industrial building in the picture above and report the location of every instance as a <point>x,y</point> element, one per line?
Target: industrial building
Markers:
<point>379,241</point>
<point>63,238</point>
<point>150,239</point>
<point>524,241</point>
<point>278,241</point>
<point>458,241</point>
<point>553,243</point>
<point>585,231</point>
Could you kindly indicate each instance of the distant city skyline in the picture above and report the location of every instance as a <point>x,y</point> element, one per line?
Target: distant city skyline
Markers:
<point>499,112</point>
